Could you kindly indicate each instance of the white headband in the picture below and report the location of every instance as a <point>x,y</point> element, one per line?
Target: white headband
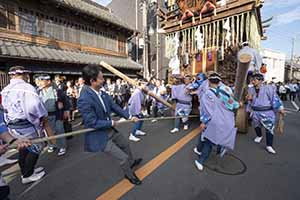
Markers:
<point>215,77</point>
<point>47,77</point>
<point>19,71</point>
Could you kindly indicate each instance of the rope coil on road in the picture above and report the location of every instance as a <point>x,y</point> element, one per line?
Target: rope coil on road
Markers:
<point>242,168</point>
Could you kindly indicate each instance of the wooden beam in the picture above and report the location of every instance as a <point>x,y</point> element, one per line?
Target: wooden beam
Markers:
<point>13,35</point>
<point>133,82</point>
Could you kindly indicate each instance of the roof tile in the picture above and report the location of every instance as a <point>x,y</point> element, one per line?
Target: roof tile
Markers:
<point>26,50</point>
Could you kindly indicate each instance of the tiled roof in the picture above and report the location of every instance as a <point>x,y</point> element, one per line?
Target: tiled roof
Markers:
<point>93,10</point>
<point>21,50</point>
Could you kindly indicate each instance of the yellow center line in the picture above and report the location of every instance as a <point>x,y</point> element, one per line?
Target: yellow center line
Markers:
<point>124,186</point>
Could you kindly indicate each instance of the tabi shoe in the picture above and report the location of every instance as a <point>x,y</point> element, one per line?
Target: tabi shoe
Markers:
<point>185,127</point>
<point>134,179</point>
<point>34,177</point>
<point>258,139</point>
<point>61,152</point>
<point>270,150</point>
<point>136,162</point>
<point>4,161</point>
<point>174,130</point>
<point>38,170</point>
<point>145,113</point>
<point>50,149</point>
<point>199,165</point>
<point>122,120</point>
<point>139,132</point>
<point>197,152</point>
<point>133,138</point>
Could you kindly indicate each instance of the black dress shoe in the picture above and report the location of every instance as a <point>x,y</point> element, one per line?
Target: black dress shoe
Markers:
<point>136,162</point>
<point>134,180</point>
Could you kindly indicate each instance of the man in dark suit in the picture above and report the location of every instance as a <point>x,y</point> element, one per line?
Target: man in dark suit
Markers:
<point>95,107</point>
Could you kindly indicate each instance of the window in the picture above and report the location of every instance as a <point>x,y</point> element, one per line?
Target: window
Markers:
<point>3,17</point>
<point>7,17</point>
<point>122,46</point>
<point>11,18</point>
<point>28,22</point>
<point>53,27</point>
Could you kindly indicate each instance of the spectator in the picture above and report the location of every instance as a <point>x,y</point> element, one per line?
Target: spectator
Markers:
<point>57,105</point>
<point>286,85</point>
<point>157,91</point>
<point>293,90</point>
<point>71,94</point>
<point>125,92</point>
<point>59,82</point>
<point>117,93</point>
<point>282,92</point>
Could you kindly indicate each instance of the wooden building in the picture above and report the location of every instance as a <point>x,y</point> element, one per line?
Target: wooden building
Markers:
<point>62,36</point>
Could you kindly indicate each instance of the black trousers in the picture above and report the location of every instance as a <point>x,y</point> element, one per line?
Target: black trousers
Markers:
<point>27,162</point>
<point>154,110</point>
<point>148,106</point>
<point>293,96</point>
<point>4,192</point>
<point>269,136</point>
<point>283,96</point>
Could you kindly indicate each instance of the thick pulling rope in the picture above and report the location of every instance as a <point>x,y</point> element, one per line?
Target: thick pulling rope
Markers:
<point>79,132</point>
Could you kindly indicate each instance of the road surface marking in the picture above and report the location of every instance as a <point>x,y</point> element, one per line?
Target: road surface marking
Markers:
<point>295,105</point>
<point>124,186</point>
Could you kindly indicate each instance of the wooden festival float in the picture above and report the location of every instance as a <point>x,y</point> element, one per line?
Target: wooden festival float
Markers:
<point>205,35</point>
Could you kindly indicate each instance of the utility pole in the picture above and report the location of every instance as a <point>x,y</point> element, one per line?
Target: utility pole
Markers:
<point>157,43</point>
<point>136,28</point>
<point>292,58</point>
<point>145,36</point>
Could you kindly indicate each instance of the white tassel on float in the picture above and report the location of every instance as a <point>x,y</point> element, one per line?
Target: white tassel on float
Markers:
<point>214,34</point>
<point>242,29</point>
<point>218,34</point>
<point>227,34</point>
<point>199,39</point>
<point>237,39</point>
<point>247,26</point>
<point>232,31</point>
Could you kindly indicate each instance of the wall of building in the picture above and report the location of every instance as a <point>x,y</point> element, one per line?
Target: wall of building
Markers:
<point>275,65</point>
<point>128,9</point>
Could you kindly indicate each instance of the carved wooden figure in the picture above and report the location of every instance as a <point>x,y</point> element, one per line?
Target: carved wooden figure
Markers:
<point>190,8</point>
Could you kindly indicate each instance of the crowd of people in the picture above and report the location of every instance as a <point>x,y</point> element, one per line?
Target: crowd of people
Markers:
<point>288,91</point>
<point>48,108</point>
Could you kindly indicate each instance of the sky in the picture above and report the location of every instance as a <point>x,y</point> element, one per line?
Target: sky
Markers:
<point>284,26</point>
<point>103,2</point>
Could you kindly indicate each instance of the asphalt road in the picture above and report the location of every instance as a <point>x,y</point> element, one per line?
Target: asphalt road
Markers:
<point>247,173</point>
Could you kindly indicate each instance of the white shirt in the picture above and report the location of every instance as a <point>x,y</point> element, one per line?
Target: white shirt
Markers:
<point>102,102</point>
<point>282,89</point>
<point>293,87</point>
<point>100,98</point>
